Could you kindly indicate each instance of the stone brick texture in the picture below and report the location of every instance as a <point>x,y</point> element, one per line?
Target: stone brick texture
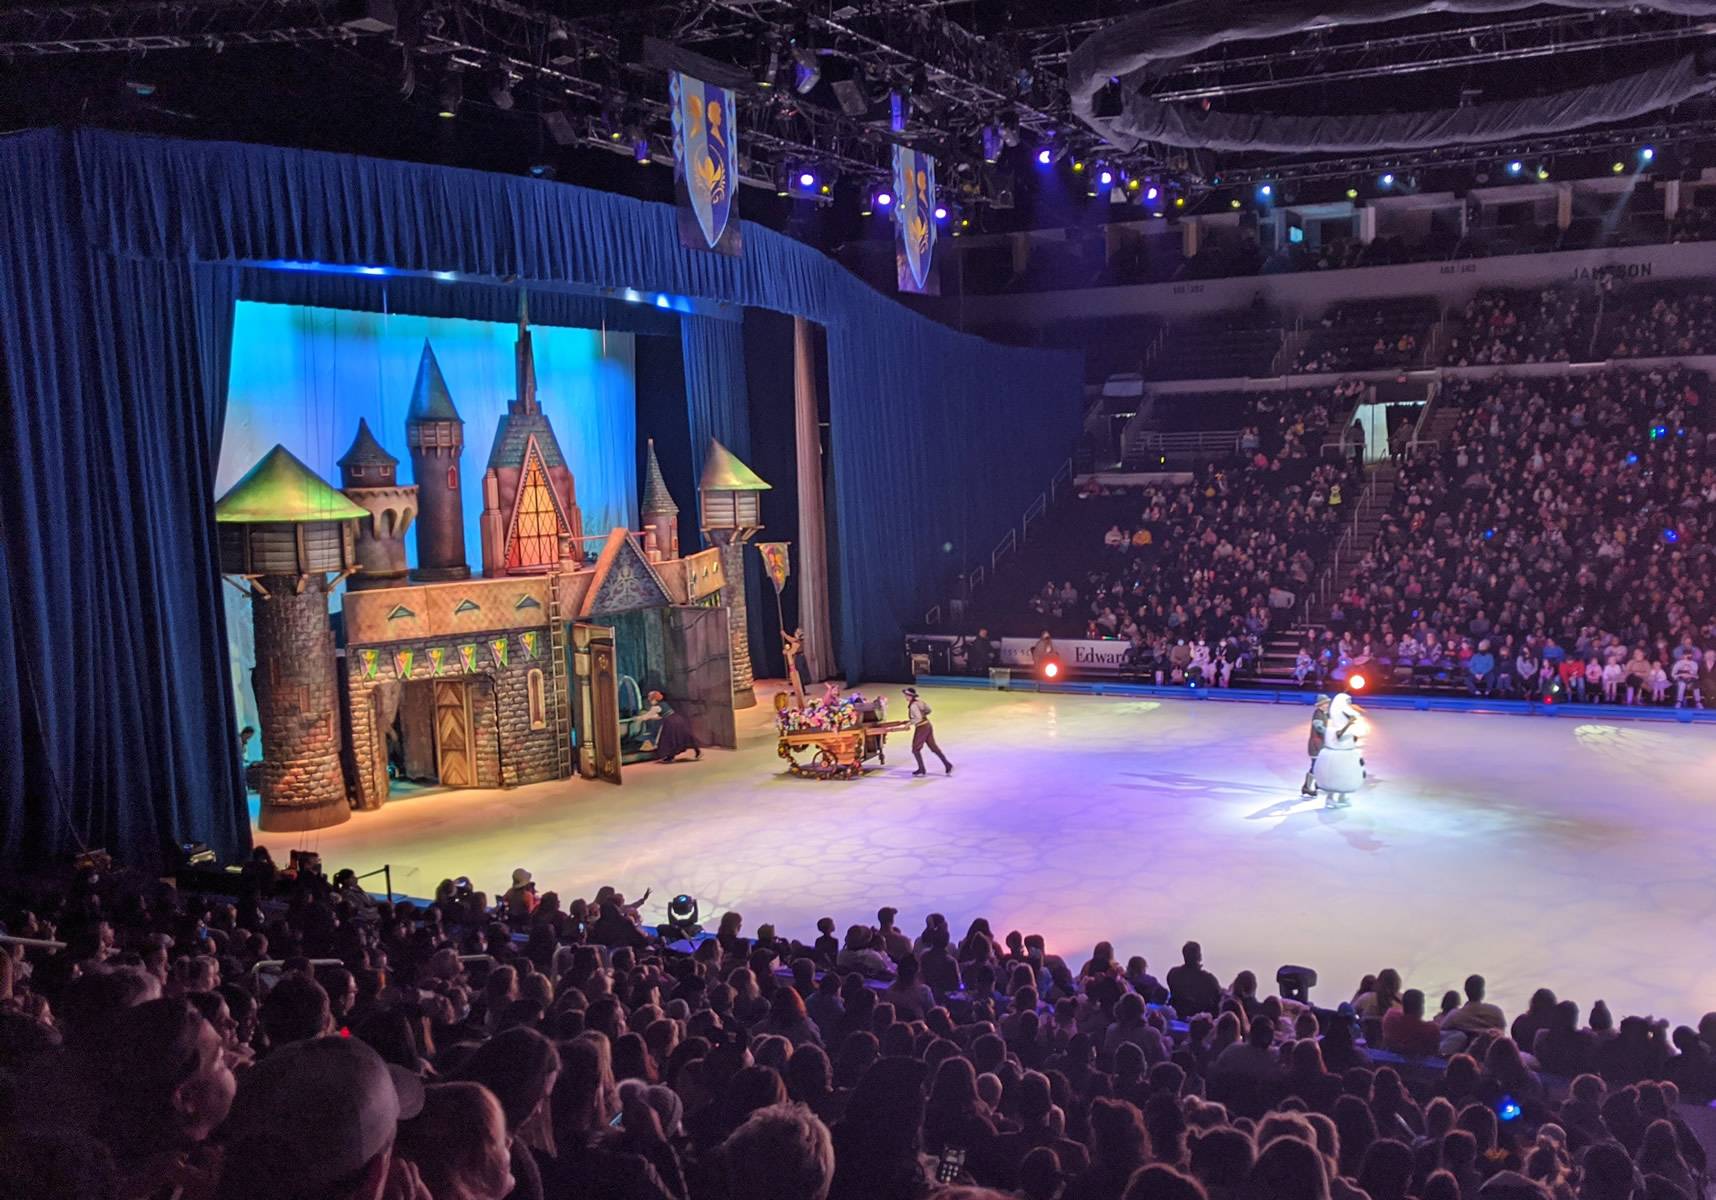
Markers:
<point>297,699</point>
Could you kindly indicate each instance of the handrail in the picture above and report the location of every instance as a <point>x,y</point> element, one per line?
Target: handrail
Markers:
<point>385,869</point>
<point>933,616</point>
<point>1008,544</point>
<point>276,964</point>
<point>1035,512</point>
<point>7,939</point>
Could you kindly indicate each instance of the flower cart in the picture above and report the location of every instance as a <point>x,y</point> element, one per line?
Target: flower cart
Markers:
<point>834,739</point>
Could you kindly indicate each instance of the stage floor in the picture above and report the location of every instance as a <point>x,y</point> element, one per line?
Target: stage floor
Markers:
<point>1540,852</point>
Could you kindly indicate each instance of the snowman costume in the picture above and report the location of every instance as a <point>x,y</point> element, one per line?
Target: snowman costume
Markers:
<point>1339,770</point>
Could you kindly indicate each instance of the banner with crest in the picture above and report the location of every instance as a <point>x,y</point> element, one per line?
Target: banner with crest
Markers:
<point>914,222</point>
<point>705,164</point>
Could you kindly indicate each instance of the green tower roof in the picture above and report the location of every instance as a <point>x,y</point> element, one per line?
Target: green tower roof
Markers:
<point>723,472</point>
<point>282,489</point>
<point>656,497</point>
<point>430,400</point>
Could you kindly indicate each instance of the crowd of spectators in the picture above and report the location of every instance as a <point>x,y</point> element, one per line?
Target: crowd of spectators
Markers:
<point>1559,544</point>
<point>1661,324</point>
<point>1193,575</point>
<point>308,1042</point>
<point>1501,326</point>
<point>1364,336</point>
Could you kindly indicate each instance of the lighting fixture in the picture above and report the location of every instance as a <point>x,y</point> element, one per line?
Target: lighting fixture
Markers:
<point>1352,193</point>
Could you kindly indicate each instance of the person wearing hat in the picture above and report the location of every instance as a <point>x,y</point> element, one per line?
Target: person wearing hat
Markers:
<point>520,898</point>
<point>317,1120</point>
<point>923,733</point>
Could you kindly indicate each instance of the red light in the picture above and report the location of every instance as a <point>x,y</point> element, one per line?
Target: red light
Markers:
<point>1051,669</point>
<point>1356,682</point>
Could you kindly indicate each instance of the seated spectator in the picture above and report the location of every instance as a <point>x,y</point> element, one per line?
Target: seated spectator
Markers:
<point>1405,1030</point>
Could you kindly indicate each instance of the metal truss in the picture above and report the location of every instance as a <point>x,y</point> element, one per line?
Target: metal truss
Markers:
<point>42,30</point>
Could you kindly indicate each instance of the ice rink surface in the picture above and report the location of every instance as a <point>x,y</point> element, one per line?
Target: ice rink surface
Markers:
<point>1560,852</point>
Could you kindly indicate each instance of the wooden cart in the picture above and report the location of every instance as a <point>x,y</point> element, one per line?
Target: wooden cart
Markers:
<point>837,753</point>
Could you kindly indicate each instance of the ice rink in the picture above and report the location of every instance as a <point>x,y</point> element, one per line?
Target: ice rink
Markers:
<point>1560,852</point>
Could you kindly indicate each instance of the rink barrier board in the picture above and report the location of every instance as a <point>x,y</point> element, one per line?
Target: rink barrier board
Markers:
<point>1404,701</point>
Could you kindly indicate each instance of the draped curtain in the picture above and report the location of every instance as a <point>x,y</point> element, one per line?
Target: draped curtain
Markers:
<point>812,567</point>
<point>117,257</point>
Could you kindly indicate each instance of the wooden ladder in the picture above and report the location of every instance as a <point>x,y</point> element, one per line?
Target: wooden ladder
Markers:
<point>559,697</point>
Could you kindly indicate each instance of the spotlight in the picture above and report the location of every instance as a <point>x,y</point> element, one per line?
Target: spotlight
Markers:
<point>806,179</point>
<point>1515,167</point>
<point>1265,191</point>
<point>1543,172</point>
<point>1078,166</point>
<point>1151,193</point>
<point>1387,179</point>
<point>1105,177</point>
<point>500,93</point>
<point>1648,153</point>
<point>1179,202</point>
<point>878,197</point>
<point>941,212</point>
<point>990,136</point>
<point>1051,667</point>
<point>1356,683</point>
<point>1352,193</point>
<point>682,917</point>
<point>451,95</point>
<point>1234,203</point>
<point>640,148</point>
<point>1132,185</point>
<point>542,170</point>
<point>1045,156</point>
<point>1617,167</point>
<point>806,71</point>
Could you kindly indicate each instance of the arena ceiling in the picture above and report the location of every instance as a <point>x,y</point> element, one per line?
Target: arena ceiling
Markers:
<point>577,88</point>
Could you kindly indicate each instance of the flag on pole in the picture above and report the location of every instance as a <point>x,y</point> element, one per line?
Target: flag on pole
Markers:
<point>776,563</point>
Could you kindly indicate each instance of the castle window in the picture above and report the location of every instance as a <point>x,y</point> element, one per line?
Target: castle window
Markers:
<point>536,699</point>
<point>536,520</point>
<point>452,478</point>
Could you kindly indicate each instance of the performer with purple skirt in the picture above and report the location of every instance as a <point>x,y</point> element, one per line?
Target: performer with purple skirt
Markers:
<point>673,735</point>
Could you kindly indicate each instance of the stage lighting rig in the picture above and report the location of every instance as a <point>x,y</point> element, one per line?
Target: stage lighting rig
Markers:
<point>450,95</point>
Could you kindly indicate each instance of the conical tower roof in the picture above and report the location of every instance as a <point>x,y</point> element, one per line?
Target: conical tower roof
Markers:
<point>656,497</point>
<point>282,489</point>
<point>366,451</point>
<point>723,472</point>
<point>430,399</point>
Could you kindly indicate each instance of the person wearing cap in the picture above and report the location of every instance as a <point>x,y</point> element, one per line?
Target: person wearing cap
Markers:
<point>923,733</point>
<point>317,1120</point>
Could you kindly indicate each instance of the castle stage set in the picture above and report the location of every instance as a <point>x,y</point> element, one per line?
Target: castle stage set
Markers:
<point>438,477</point>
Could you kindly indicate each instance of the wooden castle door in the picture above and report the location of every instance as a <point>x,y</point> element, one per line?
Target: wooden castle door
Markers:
<point>454,752</point>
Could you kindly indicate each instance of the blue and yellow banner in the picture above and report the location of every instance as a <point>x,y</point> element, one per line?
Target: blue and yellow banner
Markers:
<point>914,221</point>
<point>705,163</point>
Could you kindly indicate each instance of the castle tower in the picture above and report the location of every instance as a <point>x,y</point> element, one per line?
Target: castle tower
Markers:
<point>369,478</point>
<point>436,437</point>
<point>282,529</point>
<point>530,508</point>
<point>732,516</point>
<point>660,513</point>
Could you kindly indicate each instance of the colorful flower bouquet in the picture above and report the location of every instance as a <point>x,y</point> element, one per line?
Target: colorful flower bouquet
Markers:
<point>827,717</point>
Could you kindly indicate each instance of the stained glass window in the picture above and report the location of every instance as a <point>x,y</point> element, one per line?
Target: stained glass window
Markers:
<point>535,540</point>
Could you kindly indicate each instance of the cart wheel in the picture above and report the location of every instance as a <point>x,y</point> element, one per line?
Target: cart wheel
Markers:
<point>826,763</point>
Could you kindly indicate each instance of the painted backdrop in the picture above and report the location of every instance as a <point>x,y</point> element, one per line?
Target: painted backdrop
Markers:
<point>303,376</point>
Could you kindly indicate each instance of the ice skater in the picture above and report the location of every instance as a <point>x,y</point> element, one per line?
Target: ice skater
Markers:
<point>1339,769</point>
<point>1314,744</point>
<point>923,733</point>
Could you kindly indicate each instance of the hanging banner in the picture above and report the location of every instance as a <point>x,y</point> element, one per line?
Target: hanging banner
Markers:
<point>914,222</point>
<point>705,164</point>
<point>776,563</point>
<point>529,638</point>
<point>437,660</point>
<point>498,648</point>
<point>371,660</point>
<point>468,655</point>
<point>402,661</point>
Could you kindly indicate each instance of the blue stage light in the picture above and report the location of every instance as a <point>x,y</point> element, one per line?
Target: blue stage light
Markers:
<point>1045,156</point>
<point>1106,178</point>
<point>941,212</point>
<point>1387,179</point>
<point>806,179</point>
<point>1151,193</point>
<point>884,198</point>
<point>1647,153</point>
<point>1266,191</point>
<point>1515,167</point>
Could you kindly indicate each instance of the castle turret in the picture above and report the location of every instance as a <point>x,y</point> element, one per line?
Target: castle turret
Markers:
<point>282,529</point>
<point>732,516</point>
<point>660,513</point>
<point>435,435</point>
<point>530,515</point>
<point>369,478</point>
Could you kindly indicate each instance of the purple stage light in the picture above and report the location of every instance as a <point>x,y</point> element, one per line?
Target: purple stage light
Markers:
<point>884,199</point>
<point>1045,156</point>
<point>941,212</point>
<point>806,179</point>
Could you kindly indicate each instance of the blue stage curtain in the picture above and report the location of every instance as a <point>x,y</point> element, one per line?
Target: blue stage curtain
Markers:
<point>116,730</point>
<point>113,680</point>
